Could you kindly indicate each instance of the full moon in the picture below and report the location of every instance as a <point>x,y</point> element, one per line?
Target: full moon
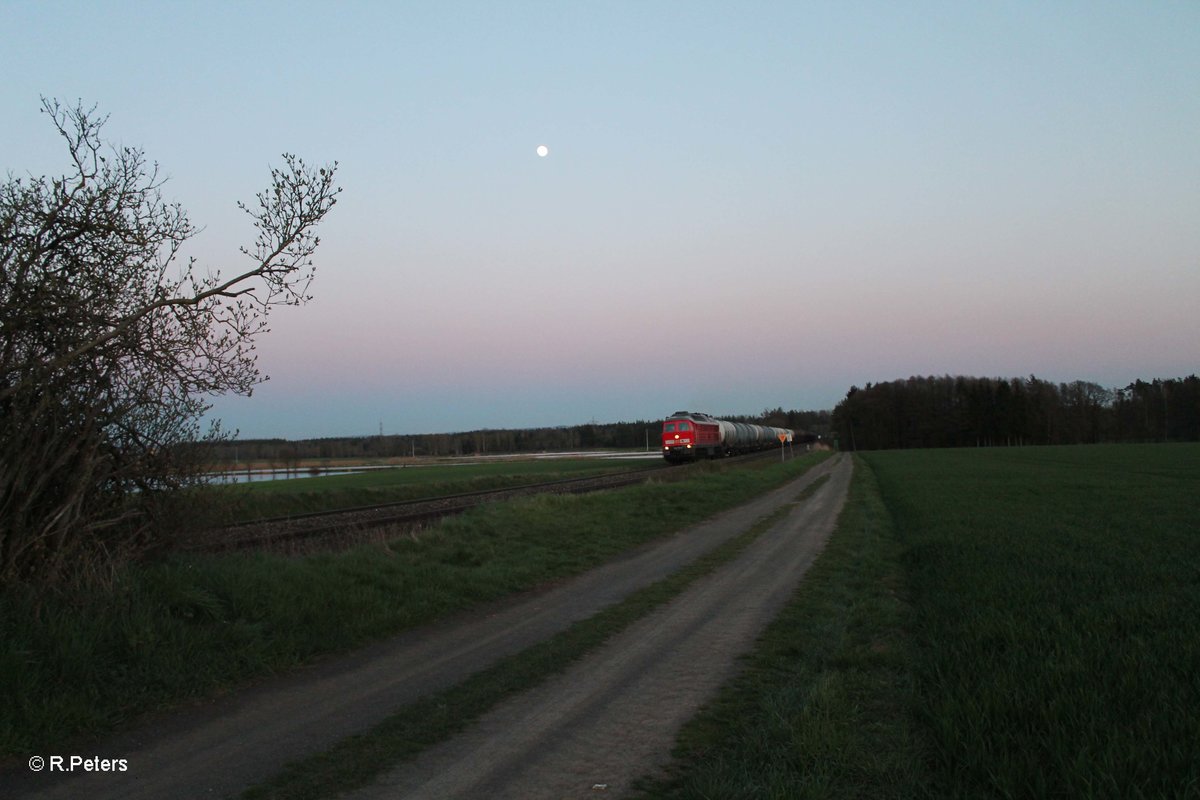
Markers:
<point>543,151</point>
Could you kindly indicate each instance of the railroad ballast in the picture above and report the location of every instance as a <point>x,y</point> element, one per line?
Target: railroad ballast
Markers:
<point>688,435</point>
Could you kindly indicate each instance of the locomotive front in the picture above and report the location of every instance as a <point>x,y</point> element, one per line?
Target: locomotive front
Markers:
<point>687,435</point>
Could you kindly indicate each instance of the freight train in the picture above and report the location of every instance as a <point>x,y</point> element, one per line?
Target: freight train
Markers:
<point>689,435</point>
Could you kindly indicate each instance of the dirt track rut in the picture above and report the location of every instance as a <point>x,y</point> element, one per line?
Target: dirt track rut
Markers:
<point>244,738</point>
<point>612,718</point>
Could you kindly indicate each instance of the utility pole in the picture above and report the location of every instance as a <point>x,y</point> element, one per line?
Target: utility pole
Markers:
<point>1164,396</point>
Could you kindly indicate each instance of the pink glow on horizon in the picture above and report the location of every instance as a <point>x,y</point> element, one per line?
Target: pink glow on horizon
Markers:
<point>755,209</point>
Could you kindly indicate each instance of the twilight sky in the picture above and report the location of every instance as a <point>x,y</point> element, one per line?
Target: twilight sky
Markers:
<point>744,205</point>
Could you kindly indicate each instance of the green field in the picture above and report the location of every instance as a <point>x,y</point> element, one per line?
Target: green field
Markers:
<point>1057,616</point>
<point>984,623</point>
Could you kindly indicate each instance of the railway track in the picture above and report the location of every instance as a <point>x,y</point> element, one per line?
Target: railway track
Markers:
<point>345,526</point>
<point>297,529</point>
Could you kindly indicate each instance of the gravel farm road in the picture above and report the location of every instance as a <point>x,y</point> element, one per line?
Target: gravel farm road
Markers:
<point>591,731</point>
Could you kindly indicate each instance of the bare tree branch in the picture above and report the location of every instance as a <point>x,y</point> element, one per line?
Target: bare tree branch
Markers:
<point>108,343</point>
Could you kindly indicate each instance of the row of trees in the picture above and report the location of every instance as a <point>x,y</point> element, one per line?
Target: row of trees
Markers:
<point>487,441</point>
<point>612,435</point>
<point>966,412</point>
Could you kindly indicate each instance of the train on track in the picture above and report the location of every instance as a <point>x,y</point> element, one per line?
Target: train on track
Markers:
<point>688,435</point>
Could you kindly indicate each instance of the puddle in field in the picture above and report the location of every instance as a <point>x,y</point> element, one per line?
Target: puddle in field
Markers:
<point>258,475</point>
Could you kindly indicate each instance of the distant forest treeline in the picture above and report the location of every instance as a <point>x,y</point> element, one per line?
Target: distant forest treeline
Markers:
<point>968,412</point>
<point>612,435</point>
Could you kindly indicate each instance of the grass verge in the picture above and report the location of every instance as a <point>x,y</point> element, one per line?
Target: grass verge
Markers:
<point>76,665</point>
<point>357,760</point>
<point>819,709</point>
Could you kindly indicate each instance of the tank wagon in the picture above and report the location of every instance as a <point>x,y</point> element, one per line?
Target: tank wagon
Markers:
<point>689,435</point>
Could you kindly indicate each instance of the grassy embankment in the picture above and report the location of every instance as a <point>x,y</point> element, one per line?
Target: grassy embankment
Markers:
<point>983,623</point>
<point>189,626</point>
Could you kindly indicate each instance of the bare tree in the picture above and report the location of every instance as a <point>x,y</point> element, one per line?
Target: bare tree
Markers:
<point>110,343</point>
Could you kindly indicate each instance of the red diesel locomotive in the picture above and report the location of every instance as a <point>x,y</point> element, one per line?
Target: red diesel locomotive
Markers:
<point>688,435</point>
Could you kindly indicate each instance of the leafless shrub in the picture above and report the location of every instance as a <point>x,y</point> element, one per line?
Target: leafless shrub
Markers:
<point>110,344</point>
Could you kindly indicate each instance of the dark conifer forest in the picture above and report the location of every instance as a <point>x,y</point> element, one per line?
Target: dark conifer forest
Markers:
<point>968,412</point>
